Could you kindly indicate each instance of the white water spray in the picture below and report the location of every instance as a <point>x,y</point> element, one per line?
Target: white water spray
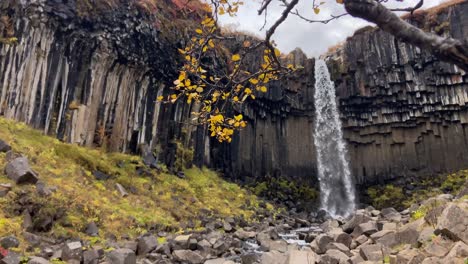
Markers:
<point>337,191</point>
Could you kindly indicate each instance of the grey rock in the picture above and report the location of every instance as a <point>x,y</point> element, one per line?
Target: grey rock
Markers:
<point>301,257</point>
<point>4,147</point>
<point>367,229</point>
<point>122,256</point>
<point>19,171</point>
<point>188,256</point>
<point>90,256</point>
<point>250,258</point>
<point>409,233</point>
<point>9,242</point>
<point>344,238</point>
<point>372,252</point>
<point>320,243</point>
<point>242,234</point>
<point>11,258</point>
<point>333,256</point>
<point>380,234</point>
<point>459,250</point>
<point>72,251</point>
<point>38,260</point>
<point>92,229</point>
<point>454,222</point>
<point>273,257</point>
<point>356,220</point>
<point>391,214</point>
<point>340,247</point>
<point>4,189</point>
<point>438,247</point>
<point>146,244</point>
<point>410,256</point>
<point>121,190</point>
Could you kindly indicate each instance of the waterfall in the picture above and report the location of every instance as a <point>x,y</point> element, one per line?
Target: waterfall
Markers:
<point>337,193</point>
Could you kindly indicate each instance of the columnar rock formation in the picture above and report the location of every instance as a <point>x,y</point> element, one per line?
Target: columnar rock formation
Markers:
<point>404,112</point>
<point>92,79</point>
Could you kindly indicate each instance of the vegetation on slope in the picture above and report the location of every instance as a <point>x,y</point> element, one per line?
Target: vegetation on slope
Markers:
<point>391,195</point>
<point>157,201</point>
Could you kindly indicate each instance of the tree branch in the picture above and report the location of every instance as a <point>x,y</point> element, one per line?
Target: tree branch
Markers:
<point>447,49</point>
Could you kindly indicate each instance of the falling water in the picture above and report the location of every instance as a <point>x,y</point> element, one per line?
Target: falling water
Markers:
<point>336,185</point>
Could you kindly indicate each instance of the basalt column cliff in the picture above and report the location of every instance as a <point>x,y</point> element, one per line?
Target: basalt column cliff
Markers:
<point>404,112</point>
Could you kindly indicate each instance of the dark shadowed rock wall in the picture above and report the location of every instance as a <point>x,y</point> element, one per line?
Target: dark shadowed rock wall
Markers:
<point>404,112</point>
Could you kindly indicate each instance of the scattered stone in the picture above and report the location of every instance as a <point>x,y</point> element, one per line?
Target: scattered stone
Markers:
<point>391,214</point>
<point>4,189</point>
<point>409,233</point>
<point>38,260</point>
<point>319,245</point>
<point>146,244</point>
<point>122,256</point>
<point>333,256</point>
<point>9,242</point>
<point>356,220</point>
<point>227,227</point>
<point>4,147</point>
<point>344,238</point>
<point>90,256</point>
<point>42,189</point>
<point>11,258</point>
<point>101,176</point>
<point>273,257</point>
<point>72,251</point>
<point>250,258</point>
<point>92,229</point>
<point>371,252</point>
<point>409,256</point>
<point>301,257</point>
<point>389,226</point>
<point>121,190</point>
<point>243,235</point>
<point>19,171</point>
<point>188,256</point>
<point>367,229</point>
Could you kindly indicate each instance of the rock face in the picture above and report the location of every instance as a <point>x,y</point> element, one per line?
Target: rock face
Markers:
<point>92,79</point>
<point>404,112</point>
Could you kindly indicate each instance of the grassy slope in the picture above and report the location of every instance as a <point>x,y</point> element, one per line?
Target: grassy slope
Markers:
<point>160,201</point>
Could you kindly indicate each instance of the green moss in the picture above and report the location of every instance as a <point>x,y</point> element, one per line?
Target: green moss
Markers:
<point>387,196</point>
<point>184,157</point>
<point>157,201</point>
<point>280,188</point>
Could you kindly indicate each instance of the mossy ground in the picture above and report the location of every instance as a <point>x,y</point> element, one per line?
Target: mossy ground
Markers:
<point>157,201</point>
<point>395,196</point>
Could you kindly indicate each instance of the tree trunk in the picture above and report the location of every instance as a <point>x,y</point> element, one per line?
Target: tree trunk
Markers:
<point>447,49</point>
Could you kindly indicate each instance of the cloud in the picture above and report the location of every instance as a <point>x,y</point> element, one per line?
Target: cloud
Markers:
<point>313,38</point>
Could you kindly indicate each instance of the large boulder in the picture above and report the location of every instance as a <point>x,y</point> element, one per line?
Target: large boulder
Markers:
<point>72,251</point>
<point>4,147</point>
<point>146,244</point>
<point>356,220</point>
<point>372,252</point>
<point>122,256</point>
<point>320,243</point>
<point>333,256</point>
<point>454,222</point>
<point>188,256</point>
<point>273,257</point>
<point>19,171</point>
<point>301,257</point>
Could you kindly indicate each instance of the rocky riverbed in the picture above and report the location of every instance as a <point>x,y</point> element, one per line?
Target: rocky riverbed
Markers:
<point>434,232</point>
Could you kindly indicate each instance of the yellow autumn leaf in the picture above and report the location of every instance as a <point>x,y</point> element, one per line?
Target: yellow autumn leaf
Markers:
<point>199,31</point>
<point>316,10</point>
<point>238,117</point>
<point>160,98</point>
<point>263,89</point>
<point>235,57</point>
<point>199,90</point>
<point>211,43</point>
<point>339,1</point>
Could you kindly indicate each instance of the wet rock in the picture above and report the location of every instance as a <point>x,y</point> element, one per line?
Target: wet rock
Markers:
<point>19,171</point>
<point>9,242</point>
<point>188,256</point>
<point>101,176</point>
<point>122,256</point>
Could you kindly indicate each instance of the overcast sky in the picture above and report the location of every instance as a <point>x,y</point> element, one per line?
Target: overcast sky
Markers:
<point>314,39</point>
